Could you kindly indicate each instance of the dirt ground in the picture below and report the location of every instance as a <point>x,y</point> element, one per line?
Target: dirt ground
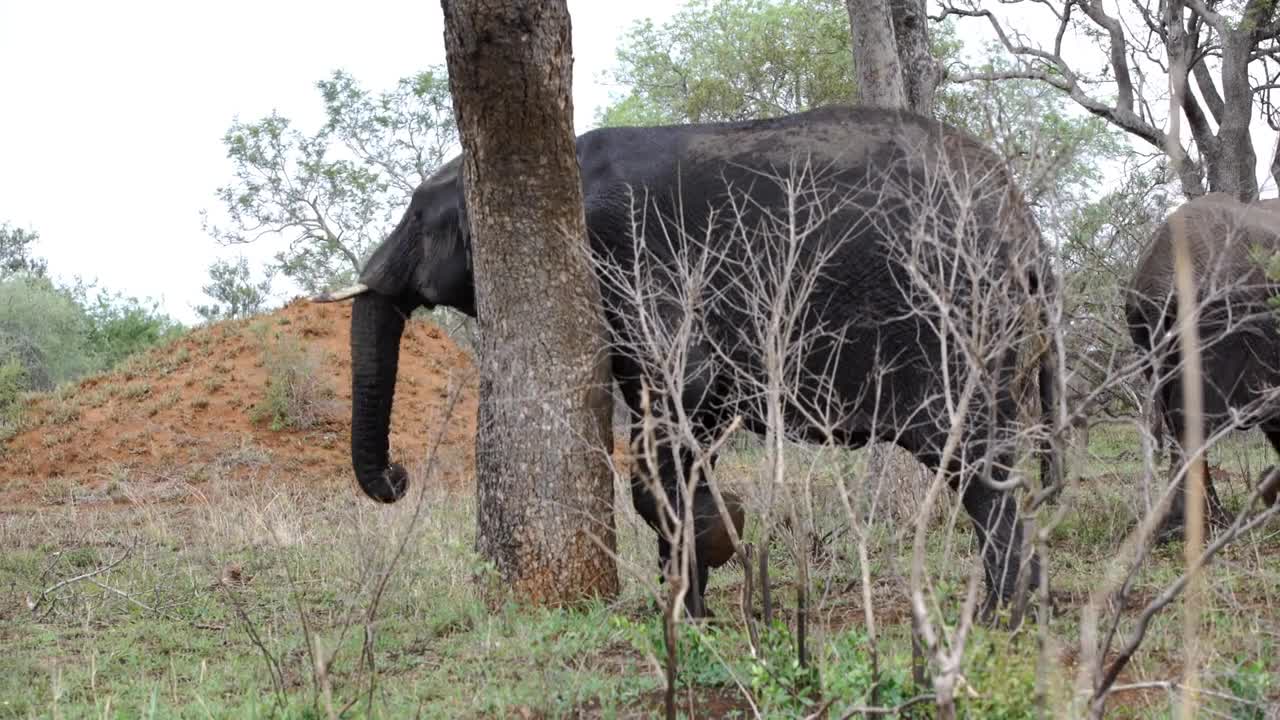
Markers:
<point>171,416</point>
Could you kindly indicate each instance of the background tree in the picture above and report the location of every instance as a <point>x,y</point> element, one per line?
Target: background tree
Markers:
<point>879,68</point>
<point>16,246</point>
<point>1231,50</point>
<point>544,420</point>
<point>234,292</point>
<point>717,60</point>
<point>332,194</point>
<point>53,332</point>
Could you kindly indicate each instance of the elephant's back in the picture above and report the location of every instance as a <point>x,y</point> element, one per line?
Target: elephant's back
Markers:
<point>1224,237</point>
<point>1229,242</point>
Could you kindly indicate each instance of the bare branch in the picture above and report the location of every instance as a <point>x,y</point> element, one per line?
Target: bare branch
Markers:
<point>1119,59</point>
<point>34,605</point>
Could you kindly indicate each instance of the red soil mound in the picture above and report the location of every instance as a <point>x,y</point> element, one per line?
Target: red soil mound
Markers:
<point>193,410</point>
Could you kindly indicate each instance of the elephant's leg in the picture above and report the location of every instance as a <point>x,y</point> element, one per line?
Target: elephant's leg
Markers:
<point>674,469</point>
<point>1173,525</point>
<point>994,514</point>
<point>1269,478</point>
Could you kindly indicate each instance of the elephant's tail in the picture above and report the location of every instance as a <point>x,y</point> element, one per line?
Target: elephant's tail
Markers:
<point>1051,471</point>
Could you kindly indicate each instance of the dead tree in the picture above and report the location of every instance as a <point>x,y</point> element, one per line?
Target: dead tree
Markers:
<point>1234,60</point>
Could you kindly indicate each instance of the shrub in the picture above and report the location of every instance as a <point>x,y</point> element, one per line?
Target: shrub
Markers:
<point>46,330</point>
<point>296,395</point>
<point>59,334</point>
<point>13,382</point>
<point>123,326</point>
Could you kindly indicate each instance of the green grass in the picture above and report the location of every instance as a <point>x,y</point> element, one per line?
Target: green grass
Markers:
<point>160,634</point>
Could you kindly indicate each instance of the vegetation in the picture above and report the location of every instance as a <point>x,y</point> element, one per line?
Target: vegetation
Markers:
<point>234,292</point>
<point>272,600</point>
<point>297,395</point>
<point>216,609</point>
<point>52,333</point>
<point>331,194</point>
<point>715,60</point>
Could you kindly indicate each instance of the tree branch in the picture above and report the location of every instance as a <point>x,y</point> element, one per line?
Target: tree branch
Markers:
<point>1179,46</point>
<point>1214,20</point>
<point>1119,59</point>
<point>1208,89</point>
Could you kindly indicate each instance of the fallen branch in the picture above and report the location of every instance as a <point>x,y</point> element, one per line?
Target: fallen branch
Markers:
<point>34,605</point>
<point>873,710</point>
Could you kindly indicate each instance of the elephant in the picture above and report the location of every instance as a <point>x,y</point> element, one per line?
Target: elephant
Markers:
<point>1239,335</point>
<point>888,176</point>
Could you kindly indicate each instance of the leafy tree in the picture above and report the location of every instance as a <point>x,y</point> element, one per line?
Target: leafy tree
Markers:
<point>235,293</point>
<point>724,60</point>
<point>720,60</point>
<point>15,252</point>
<point>332,194</point>
<point>1057,153</point>
<point>48,332</point>
<point>124,325</point>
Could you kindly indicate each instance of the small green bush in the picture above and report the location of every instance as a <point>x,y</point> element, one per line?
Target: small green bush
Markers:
<point>779,683</point>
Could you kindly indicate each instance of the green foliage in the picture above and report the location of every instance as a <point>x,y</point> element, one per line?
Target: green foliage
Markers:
<point>1001,669</point>
<point>848,674</point>
<point>720,60</point>
<point>47,330</point>
<point>1252,683</point>
<point>57,333</point>
<point>702,653</point>
<point>234,292</point>
<point>778,681</point>
<point>1055,150</point>
<point>13,381</point>
<point>123,326</point>
<point>332,194</point>
<point>15,253</point>
<point>296,395</point>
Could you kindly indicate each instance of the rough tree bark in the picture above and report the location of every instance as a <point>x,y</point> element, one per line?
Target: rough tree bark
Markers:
<point>921,71</point>
<point>875,54</point>
<point>891,54</point>
<point>545,491</point>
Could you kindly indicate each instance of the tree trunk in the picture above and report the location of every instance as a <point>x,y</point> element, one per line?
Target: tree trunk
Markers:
<point>1232,164</point>
<point>544,486</point>
<point>875,54</point>
<point>920,71</point>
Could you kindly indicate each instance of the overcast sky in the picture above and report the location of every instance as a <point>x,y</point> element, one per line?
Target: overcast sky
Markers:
<point>111,132</point>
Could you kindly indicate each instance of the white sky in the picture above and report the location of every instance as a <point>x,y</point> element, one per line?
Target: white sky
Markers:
<point>114,112</point>
<point>111,129</point>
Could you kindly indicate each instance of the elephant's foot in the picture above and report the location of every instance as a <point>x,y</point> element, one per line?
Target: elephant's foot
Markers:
<point>1173,526</point>
<point>1171,529</point>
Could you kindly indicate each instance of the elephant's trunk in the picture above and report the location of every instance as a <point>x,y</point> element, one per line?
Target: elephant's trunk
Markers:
<point>376,326</point>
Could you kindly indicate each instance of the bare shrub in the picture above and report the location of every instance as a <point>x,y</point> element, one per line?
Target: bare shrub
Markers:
<point>296,396</point>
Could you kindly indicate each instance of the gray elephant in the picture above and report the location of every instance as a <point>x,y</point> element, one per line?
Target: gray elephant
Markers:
<point>887,178</point>
<point>1229,242</point>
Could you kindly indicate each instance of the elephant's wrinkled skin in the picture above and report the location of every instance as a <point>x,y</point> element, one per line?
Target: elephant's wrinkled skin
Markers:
<point>1239,336</point>
<point>865,154</point>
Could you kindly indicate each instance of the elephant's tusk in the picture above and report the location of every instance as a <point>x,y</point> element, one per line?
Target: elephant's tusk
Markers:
<point>339,295</point>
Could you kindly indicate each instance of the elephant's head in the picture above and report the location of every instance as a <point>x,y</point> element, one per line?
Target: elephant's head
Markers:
<point>424,262</point>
